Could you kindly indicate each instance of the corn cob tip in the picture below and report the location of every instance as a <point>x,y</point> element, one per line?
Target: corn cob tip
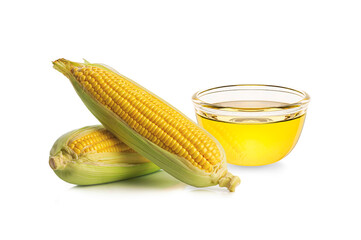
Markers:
<point>229,181</point>
<point>52,163</point>
<point>58,162</point>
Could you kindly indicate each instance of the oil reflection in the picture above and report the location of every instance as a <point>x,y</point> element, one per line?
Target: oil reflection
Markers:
<point>274,167</point>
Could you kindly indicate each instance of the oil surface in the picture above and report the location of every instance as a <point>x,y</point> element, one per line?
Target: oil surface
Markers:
<point>254,141</point>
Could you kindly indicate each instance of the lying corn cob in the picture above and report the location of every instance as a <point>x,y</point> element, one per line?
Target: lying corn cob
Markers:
<point>93,155</point>
<point>149,125</point>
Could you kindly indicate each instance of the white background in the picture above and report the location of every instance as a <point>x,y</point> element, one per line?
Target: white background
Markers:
<point>175,48</point>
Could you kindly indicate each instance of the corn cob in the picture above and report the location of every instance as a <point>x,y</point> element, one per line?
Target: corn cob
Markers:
<point>149,125</point>
<point>93,155</point>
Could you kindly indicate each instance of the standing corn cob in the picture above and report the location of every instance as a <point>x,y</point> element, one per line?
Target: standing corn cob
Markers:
<point>93,155</point>
<point>149,125</point>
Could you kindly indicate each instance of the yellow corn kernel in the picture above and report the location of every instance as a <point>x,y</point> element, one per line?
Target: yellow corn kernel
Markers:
<point>98,142</point>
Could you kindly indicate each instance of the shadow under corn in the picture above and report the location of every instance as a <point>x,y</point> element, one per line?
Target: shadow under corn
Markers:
<point>158,181</point>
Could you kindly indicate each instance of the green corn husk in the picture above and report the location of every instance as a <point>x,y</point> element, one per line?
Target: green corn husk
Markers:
<point>92,167</point>
<point>178,167</point>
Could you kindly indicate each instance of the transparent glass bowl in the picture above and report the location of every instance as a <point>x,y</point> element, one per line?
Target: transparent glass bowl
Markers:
<point>255,124</point>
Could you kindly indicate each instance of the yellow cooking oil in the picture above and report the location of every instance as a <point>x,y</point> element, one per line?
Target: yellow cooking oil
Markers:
<point>254,141</point>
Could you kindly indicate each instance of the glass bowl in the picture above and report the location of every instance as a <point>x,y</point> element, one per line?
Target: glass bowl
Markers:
<point>256,124</point>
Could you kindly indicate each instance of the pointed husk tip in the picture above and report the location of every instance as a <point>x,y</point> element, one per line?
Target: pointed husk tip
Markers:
<point>62,64</point>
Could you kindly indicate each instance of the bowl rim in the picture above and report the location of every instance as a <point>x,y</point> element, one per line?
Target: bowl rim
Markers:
<point>301,103</point>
